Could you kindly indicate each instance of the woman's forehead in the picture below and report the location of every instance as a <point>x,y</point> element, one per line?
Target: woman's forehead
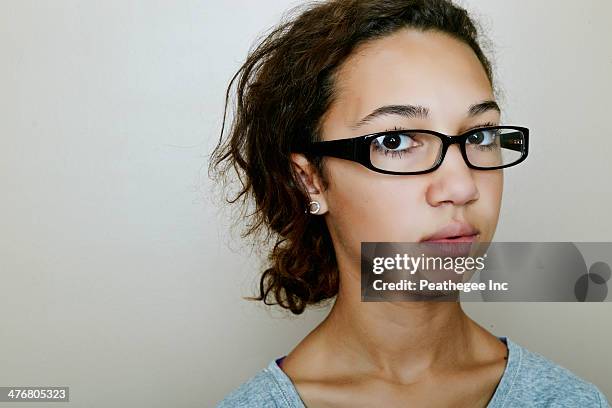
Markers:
<point>410,67</point>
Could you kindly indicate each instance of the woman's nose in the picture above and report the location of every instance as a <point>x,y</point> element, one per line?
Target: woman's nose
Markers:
<point>453,181</point>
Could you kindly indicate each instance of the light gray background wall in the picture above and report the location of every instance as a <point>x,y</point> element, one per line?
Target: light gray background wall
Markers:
<point>119,277</point>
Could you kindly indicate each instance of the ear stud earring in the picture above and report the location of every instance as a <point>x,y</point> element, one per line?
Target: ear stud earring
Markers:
<point>316,209</point>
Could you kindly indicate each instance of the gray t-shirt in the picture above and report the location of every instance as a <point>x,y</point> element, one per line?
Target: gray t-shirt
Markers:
<point>529,380</point>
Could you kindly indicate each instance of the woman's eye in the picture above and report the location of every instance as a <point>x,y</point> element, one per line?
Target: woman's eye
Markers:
<point>483,138</point>
<point>396,141</point>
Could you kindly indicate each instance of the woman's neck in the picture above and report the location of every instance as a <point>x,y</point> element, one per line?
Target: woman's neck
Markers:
<point>398,339</point>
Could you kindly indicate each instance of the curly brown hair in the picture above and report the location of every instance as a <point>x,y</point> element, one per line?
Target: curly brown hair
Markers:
<point>283,89</point>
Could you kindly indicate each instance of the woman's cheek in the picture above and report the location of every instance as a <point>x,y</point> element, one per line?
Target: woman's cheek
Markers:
<point>488,206</point>
<point>389,211</point>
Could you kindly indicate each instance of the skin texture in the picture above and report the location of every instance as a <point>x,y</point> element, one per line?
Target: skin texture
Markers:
<point>400,353</point>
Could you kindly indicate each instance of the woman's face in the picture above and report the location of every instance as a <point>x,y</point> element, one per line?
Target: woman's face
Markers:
<point>442,75</point>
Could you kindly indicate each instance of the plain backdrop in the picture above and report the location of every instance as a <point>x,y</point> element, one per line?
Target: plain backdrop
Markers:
<point>121,277</point>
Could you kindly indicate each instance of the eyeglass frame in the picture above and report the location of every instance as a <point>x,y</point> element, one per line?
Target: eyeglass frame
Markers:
<point>357,148</point>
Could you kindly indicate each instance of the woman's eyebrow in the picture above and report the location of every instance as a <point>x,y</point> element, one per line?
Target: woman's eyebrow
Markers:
<point>482,107</point>
<point>417,111</point>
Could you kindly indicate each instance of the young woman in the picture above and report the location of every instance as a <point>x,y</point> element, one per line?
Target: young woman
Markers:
<point>369,73</point>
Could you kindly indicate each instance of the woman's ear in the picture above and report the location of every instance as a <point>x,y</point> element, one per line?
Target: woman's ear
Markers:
<point>311,180</point>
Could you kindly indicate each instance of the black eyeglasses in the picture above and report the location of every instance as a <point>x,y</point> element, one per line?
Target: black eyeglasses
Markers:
<point>421,151</point>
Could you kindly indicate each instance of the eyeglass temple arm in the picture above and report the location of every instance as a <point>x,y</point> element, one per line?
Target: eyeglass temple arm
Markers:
<point>341,148</point>
<point>513,141</point>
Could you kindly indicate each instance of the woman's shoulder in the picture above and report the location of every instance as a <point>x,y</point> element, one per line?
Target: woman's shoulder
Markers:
<point>267,388</point>
<point>538,380</point>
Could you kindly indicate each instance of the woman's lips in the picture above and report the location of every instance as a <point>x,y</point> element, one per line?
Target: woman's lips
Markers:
<point>457,231</point>
<point>462,238</point>
<point>450,246</point>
